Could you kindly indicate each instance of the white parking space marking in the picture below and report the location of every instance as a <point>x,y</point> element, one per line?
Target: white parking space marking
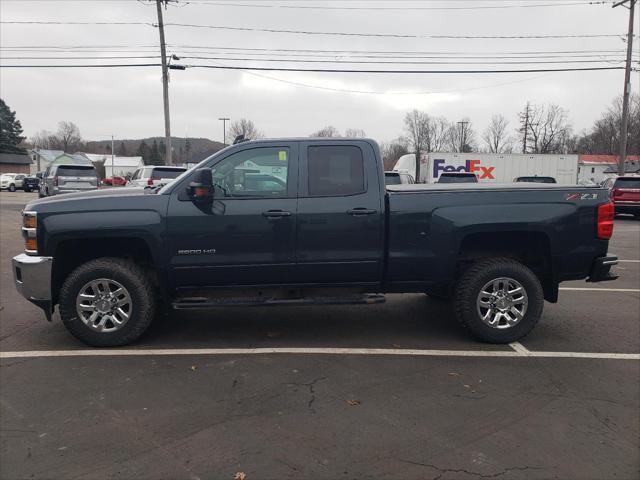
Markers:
<point>587,289</point>
<point>517,352</point>
<point>518,347</point>
<point>629,261</point>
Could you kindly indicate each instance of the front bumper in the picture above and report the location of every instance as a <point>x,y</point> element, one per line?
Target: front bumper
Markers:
<point>32,276</point>
<point>601,269</point>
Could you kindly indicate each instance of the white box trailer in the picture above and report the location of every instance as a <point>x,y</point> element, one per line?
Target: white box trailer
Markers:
<point>492,167</point>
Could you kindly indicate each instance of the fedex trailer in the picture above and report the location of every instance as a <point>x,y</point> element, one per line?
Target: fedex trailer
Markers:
<point>493,167</point>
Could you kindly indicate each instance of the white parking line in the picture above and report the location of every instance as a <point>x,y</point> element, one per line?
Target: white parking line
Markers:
<point>629,261</point>
<point>587,289</point>
<point>518,352</point>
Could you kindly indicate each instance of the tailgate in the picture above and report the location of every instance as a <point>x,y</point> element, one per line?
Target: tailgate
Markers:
<point>78,182</point>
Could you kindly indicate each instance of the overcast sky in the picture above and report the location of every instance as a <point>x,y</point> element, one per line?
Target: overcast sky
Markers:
<point>128,102</point>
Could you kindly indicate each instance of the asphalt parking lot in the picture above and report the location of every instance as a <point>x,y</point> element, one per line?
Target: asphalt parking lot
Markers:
<point>396,390</point>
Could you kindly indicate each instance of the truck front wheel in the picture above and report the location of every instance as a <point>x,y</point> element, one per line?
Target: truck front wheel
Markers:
<point>107,302</point>
<point>499,300</point>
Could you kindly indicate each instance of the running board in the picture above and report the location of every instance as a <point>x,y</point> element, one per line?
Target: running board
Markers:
<point>204,302</point>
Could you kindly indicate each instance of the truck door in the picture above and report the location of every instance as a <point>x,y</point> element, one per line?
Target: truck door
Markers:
<point>247,235</point>
<point>340,214</point>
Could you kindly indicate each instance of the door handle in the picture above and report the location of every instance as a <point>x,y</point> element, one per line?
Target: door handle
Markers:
<point>276,213</point>
<point>360,211</point>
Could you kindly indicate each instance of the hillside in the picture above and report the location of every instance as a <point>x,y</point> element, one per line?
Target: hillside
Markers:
<point>198,145</point>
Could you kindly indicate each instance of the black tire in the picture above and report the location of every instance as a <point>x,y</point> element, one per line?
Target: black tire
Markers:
<point>130,276</point>
<point>476,277</point>
<point>26,189</point>
<point>12,188</point>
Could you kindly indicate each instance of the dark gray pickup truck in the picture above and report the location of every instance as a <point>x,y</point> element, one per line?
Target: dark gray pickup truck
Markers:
<point>308,221</point>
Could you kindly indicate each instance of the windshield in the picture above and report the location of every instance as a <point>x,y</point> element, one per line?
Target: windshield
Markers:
<point>627,182</point>
<point>392,179</point>
<point>457,179</point>
<point>159,173</point>
<point>75,171</point>
<point>537,179</point>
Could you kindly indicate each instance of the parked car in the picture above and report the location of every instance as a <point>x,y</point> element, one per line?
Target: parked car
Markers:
<point>114,181</point>
<point>154,176</point>
<point>65,178</point>
<point>11,181</point>
<point>397,178</point>
<point>335,234</point>
<point>625,193</point>
<point>31,184</point>
<point>535,179</point>
<point>457,177</point>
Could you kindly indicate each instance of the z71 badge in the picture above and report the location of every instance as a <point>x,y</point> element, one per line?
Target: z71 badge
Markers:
<point>581,196</point>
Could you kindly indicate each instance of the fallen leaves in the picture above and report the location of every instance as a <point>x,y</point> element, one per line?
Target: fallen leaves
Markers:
<point>353,403</point>
<point>193,368</point>
<point>240,476</point>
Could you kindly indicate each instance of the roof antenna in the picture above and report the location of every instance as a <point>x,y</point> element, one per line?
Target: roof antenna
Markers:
<point>240,139</point>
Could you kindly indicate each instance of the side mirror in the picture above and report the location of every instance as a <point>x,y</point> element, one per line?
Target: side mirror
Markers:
<point>201,187</point>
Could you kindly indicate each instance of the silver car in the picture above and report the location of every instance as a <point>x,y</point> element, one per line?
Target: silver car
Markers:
<point>68,178</point>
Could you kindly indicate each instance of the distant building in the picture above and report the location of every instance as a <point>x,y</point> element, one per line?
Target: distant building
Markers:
<point>14,163</point>
<point>597,168</point>
<point>119,166</point>
<point>41,158</point>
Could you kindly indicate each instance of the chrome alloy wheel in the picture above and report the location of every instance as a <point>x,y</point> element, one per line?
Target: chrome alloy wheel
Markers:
<point>104,305</point>
<point>502,303</point>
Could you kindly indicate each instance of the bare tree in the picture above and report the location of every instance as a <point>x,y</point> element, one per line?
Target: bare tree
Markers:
<point>496,137</point>
<point>604,137</point>
<point>328,131</point>
<point>243,127</point>
<point>42,139</point>
<point>437,130</point>
<point>354,133</point>
<point>547,129</point>
<point>461,136</point>
<point>416,126</point>
<point>392,151</point>
<point>67,137</point>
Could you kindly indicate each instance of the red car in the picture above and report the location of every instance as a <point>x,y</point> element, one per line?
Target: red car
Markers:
<point>115,181</point>
<point>625,193</point>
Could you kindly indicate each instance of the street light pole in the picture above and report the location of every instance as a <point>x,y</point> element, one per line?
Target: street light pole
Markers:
<point>224,130</point>
<point>624,133</point>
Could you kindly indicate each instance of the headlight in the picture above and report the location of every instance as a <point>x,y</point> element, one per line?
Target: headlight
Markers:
<point>30,232</point>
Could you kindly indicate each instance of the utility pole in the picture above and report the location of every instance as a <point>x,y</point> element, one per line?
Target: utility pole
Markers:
<point>165,83</point>
<point>224,130</point>
<point>627,87</point>
<point>462,124</point>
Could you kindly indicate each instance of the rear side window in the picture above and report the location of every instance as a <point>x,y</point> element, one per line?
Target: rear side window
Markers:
<point>627,182</point>
<point>75,171</point>
<point>159,173</point>
<point>335,170</point>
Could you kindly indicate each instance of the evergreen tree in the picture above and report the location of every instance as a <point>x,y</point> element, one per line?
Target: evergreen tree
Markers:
<point>122,150</point>
<point>144,152</point>
<point>154,157</point>
<point>162,150</point>
<point>10,131</point>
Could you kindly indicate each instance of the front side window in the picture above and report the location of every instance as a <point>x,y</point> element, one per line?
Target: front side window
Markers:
<point>254,173</point>
<point>335,170</point>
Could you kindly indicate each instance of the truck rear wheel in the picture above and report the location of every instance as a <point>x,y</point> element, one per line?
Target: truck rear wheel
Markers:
<point>499,300</point>
<point>107,302</point>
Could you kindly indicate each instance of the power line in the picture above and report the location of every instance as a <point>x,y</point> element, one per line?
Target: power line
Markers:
<point>335,70</point>
<point>311,32</point>
<point>395,8</point>
<point>322,70</point>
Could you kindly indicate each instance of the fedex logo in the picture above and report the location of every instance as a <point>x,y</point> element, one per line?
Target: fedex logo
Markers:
<point>470,166</point>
